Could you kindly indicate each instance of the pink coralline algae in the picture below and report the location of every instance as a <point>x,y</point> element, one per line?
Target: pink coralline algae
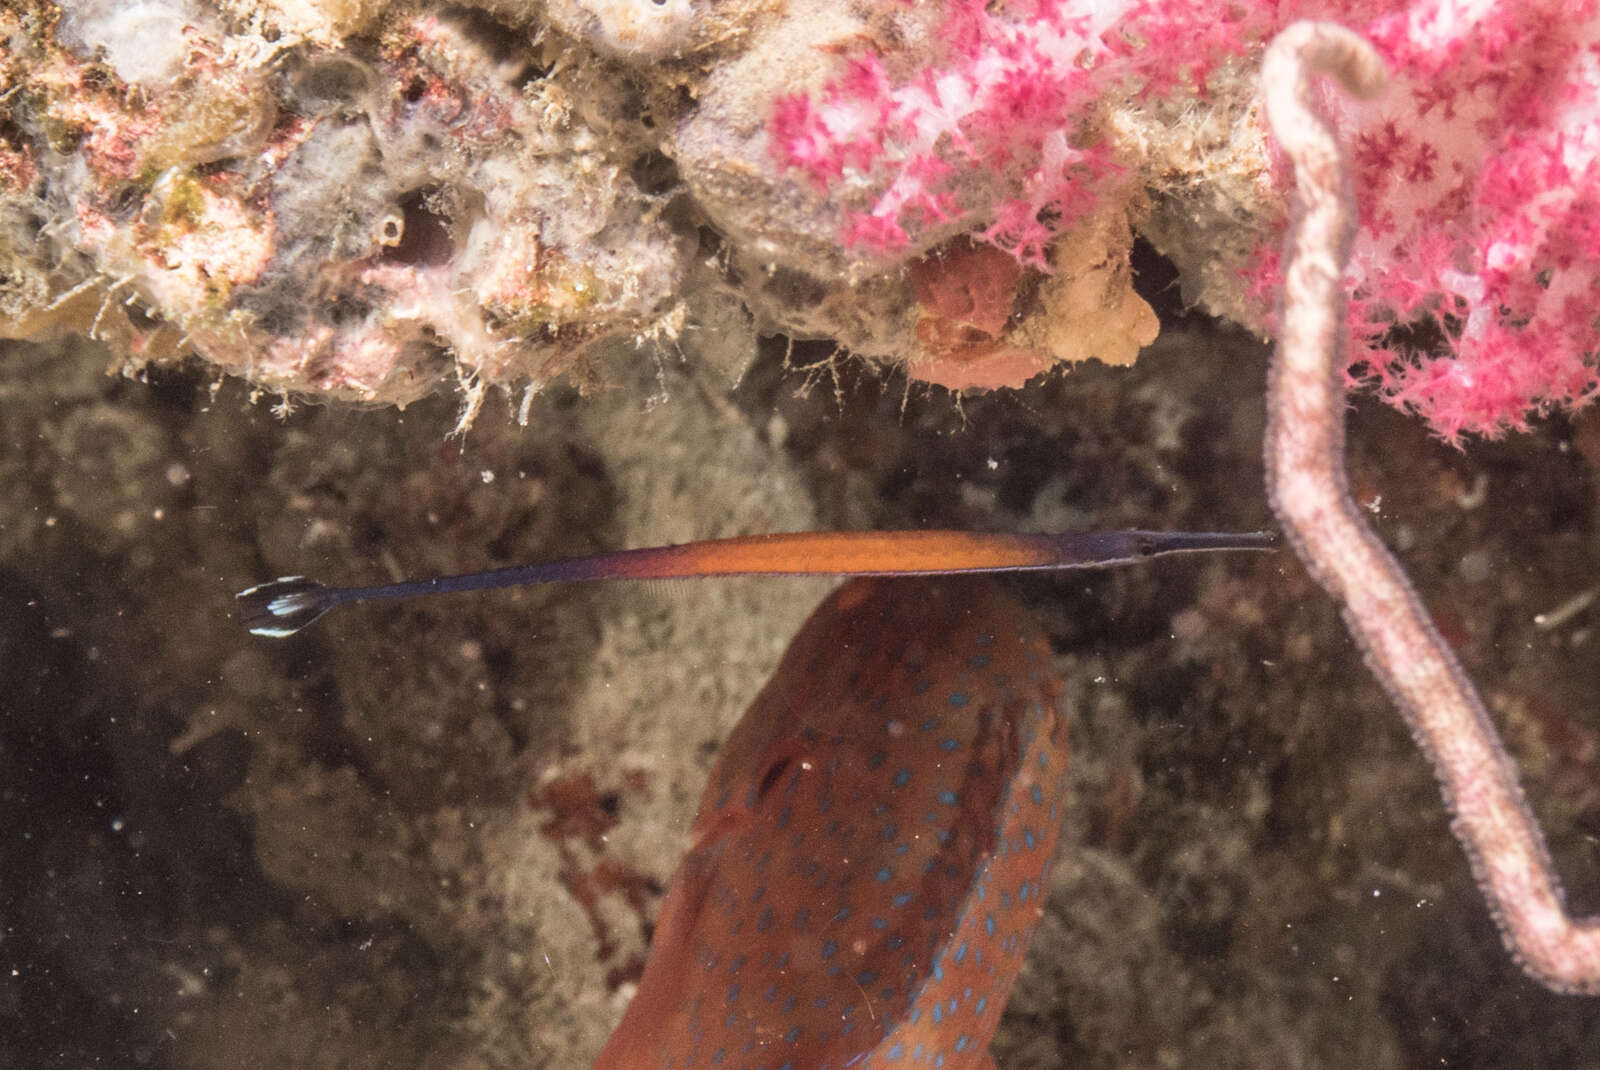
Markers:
<point>366,201</point>
<point>1476,271</point>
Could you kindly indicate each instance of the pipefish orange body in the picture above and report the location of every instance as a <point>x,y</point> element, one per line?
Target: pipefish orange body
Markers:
<point>284,606</point>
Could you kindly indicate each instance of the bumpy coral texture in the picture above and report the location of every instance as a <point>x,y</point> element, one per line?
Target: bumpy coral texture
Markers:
<point>360,222</point>
<point>365,200</point>
<point>1476,272</point>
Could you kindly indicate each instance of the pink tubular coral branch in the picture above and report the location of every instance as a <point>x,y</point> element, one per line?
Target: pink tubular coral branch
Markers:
<point>1309,489</point>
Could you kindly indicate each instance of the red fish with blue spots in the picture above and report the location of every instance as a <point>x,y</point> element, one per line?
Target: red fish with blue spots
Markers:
<point>869,855</point>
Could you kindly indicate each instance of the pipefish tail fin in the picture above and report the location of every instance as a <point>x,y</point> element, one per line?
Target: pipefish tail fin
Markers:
<point>282,607</point>
<point>285,606</point>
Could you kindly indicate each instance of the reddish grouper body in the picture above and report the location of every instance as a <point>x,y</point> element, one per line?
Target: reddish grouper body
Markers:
<point>869,854</point>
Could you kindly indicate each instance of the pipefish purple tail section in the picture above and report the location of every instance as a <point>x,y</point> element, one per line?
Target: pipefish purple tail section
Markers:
<point>869,852</point>
<point>284,606</point>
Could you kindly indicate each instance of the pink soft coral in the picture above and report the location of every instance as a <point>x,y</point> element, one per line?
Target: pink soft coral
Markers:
<point>1005,98</point>
<point>1478,174</point>
<point>1481,195</point>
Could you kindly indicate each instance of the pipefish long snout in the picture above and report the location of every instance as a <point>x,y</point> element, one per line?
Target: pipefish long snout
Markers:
<point>284,606</point>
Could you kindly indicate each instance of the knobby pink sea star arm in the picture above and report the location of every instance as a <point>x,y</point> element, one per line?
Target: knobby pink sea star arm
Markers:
<point>1310,492</point>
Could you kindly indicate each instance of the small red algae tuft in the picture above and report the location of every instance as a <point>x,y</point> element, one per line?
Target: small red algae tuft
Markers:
<point>582,813</point>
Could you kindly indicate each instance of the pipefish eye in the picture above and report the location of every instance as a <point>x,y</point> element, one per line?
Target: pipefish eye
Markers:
<point>1145,546</point>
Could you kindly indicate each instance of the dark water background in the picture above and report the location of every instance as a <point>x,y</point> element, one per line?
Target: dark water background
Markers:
<point>433,835</point>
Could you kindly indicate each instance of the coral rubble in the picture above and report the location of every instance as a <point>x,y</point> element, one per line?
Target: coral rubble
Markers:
<point>356,219</point>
